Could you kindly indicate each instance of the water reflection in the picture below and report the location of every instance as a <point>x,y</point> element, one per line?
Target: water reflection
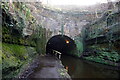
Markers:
<point>81,69</point>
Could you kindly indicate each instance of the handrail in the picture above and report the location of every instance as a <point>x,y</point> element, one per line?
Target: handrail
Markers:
<point>57,52</point>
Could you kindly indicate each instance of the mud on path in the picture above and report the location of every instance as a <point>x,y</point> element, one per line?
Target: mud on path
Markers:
<point>45,67</point>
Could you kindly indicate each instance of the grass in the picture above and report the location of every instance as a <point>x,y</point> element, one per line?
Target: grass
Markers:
<point>14,57</point>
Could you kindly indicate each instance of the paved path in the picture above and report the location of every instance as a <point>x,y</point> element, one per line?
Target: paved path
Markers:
<point>48,67</point>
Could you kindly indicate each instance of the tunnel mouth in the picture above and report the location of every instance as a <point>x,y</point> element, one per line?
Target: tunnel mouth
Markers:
<point>60,43</point>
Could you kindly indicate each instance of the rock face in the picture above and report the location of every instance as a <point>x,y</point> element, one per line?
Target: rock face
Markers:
<point>22,38</point>
<point>26,28</point>
<point>74,22</point>
<point>102,39</point>
<point>54,19</point>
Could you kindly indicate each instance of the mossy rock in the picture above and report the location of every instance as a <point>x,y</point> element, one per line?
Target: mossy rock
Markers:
<point>14,56</point>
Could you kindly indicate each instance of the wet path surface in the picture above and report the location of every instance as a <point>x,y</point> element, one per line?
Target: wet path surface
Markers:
<point>48,67</point>
<point>84,69</point>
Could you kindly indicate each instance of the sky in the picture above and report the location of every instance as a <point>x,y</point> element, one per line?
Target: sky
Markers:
<point>74,2</point>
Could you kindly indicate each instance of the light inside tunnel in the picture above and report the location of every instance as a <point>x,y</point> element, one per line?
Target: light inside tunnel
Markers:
<point>63,44</point>
<point>74,2</point>
<point>67,41</point>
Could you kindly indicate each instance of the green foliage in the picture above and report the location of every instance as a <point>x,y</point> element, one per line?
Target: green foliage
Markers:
<point>104,55</point>
<point>0,60</point>
<point>79,46</point>
<point>103,35</point>
<point>108,23</point>
<point>5,6</point>
<point>17,50</point>
<point>101,60</point>
<point>12,54</point>
<point>10,37</point>
<point>14,57</point>
<point>79,49</point>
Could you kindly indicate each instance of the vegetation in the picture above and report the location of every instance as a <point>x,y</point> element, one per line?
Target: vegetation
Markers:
<point>22,38</point>
<point>102,39</point>
<point>14,57</point>
<point>103,55</point>
<point>79,47</point>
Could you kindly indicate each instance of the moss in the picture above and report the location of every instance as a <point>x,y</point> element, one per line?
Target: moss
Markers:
<point>103,54</point>
<point>14,56</point>
<point>99,60</point>
<point>9,37</point>
<point>0,60</point>
<point>21,19</point>
<point>79,46</point>
<point>11,55</point>
<point>16,48</point>
<point>110,58</point>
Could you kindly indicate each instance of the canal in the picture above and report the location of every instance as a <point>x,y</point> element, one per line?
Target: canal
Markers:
<point>78,68</point>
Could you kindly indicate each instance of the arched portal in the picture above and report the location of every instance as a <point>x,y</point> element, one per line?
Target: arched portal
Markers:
<point>63,44</point>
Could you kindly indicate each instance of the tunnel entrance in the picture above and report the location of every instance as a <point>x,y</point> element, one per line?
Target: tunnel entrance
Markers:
<point>63,44</point>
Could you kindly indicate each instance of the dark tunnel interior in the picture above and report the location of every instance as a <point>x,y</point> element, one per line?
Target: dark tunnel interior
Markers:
<point>63,44</point>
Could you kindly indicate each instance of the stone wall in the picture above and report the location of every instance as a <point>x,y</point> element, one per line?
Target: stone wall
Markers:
<point>102,39</point>
<point>22,38</point>
<point>54,19</point>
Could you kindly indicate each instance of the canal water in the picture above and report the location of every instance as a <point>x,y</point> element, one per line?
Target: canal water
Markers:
<point>78,68</point>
